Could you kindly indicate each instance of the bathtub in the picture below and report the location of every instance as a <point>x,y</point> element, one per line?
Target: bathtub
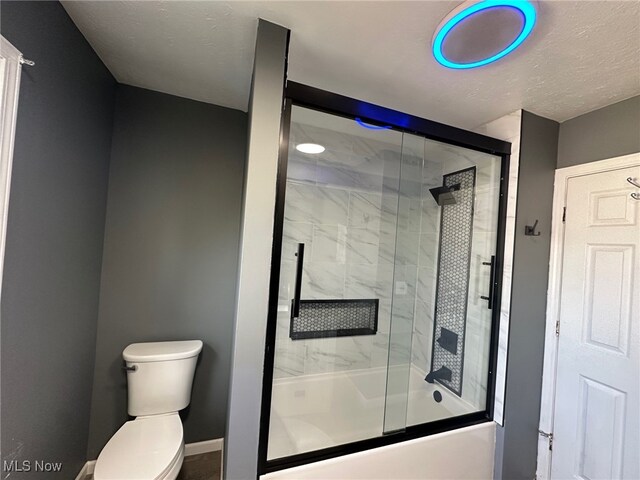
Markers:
<point>312,412</point>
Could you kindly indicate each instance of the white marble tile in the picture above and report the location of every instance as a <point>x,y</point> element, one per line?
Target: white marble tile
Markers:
<point>354,174</point>
<point>405,279</point>
<point>369,281</point>
<point>299,202</point>
<point>485,216</point>
<point>338,354</point>
<point>380,349</point>
<point>365,210</point>
<point>329,243</point>
<point>362,246</point>
<point>402,316</point>
<point>415,214</point>
<point>426,291</point>
<point>287,282</point>
<point>386,140</point>
<point>323,280</point>
<point>404,204</point>
<point>331,139</point>
<point>504,127</point>
<point>387,248</point>
<point>330,206</point>
<point>384,315</point>
<point>399,348</point>
<point>302,168</point>
<point>431,175</point>
<point>422,335</point>
<point>430,222</point>
<point>294,233</point>
<point>407,248</point>
<point>429,251</point>
<point>289,358</point>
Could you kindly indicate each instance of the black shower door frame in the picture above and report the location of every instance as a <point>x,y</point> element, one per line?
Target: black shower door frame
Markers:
<point>309,97</point>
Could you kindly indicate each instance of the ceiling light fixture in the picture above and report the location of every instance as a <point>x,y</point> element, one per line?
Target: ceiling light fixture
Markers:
<point>479,32</point>
<point>312,148</point>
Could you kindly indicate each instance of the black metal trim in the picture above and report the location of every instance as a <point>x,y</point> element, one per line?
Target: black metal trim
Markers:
<point>295,307</point>
<point>497,285</point>
<point>492,280</point>
<point>347,107</point>
<point>340,105</point>
<point>274,287</point>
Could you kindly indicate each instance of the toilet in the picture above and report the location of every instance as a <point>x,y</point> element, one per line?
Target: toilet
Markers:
<point>151,447</point>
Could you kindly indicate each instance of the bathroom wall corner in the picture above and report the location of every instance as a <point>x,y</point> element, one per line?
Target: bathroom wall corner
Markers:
<point>245,392</point>
<point>54,244</point>
<point>517,440</point>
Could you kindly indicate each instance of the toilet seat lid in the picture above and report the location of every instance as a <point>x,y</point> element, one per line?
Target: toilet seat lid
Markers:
<point>143,449</point>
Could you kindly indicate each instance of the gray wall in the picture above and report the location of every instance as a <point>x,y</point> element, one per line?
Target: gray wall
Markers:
<point>245,392</point>
<point>605,133</point>
<point>517,441</point>
<point>170,250</point>
<point>54,239</point>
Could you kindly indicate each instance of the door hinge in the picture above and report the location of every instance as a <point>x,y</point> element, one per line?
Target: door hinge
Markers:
<point>564,214</point>
<point>548,436</point>
<point>557,328</point>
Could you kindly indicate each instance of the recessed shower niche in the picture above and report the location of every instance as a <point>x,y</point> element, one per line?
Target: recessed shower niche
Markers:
<point>384,326</point>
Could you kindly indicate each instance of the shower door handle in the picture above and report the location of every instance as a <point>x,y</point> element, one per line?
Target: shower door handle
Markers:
<point>492,276</point>
<point>295,308</point>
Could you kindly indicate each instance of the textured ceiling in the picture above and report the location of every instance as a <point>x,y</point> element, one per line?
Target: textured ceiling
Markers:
<point>582,54</point>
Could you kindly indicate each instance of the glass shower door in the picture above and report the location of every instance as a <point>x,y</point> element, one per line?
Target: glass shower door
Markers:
<point>336,275</point>
<point>405,283</point>
<point>387,271</point>
<point>449,247</point>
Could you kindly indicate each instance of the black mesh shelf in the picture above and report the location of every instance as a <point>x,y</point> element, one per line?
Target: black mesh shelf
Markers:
<point>334,318</point>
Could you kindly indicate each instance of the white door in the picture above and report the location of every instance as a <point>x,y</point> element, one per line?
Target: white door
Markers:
<point>597,411</point>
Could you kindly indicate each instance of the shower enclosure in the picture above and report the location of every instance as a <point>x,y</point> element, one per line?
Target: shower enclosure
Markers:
<point>385,285</point>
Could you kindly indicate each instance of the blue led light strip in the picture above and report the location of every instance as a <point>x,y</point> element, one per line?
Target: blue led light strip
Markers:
<point>523,6</point>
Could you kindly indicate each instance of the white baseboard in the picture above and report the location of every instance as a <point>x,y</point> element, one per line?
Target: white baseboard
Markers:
<point>196,448</point>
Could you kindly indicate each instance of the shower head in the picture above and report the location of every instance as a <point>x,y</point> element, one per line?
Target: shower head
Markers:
<point>444,195</point>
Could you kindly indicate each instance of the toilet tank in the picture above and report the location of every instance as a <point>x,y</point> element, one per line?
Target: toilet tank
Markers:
<point>160,375</point>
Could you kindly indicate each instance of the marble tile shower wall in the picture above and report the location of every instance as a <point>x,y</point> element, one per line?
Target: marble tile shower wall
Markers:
<point>427,266</point>
<point>350,206</point>
<point>342,205</point>
<point>442,159</point>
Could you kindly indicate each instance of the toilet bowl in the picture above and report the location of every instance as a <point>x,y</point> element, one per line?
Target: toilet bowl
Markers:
<point>151,447</point>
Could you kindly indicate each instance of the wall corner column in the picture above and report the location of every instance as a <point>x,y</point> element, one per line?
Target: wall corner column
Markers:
<point>258,209</point>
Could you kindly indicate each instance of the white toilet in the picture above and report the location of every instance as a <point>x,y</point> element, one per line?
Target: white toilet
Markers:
<point>151,447</point>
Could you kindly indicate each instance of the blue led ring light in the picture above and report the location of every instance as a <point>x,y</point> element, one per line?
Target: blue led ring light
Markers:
<point>371,126</point>
<point>525,7</point>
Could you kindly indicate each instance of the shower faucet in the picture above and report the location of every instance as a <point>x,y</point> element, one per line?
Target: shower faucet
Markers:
<point>443,373</point>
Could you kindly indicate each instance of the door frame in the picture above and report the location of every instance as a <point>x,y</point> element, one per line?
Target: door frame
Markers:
<point>554,295</point>
<point>8,113</point>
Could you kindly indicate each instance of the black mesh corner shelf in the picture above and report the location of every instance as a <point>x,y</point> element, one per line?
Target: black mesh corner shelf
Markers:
<point>334,318</point>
